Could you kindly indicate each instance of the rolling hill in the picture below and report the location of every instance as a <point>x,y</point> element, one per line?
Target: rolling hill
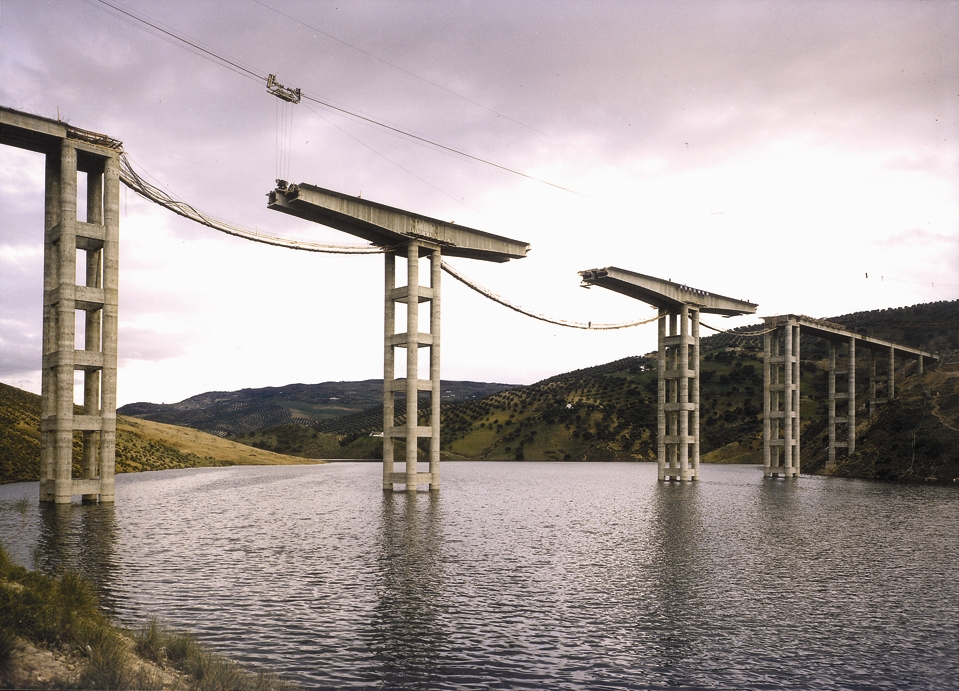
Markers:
<point>607,412</point>
<point>141,444</point>
<point>226,413</point>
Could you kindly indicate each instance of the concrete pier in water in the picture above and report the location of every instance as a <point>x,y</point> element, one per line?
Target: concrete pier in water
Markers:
<point>678,362</point>
<point>413,237</point>
<point>93,244</point>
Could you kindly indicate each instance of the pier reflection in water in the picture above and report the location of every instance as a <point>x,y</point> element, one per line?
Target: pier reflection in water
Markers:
<point>531,575</point>
<point>81,538</point>
<point>408,635</point>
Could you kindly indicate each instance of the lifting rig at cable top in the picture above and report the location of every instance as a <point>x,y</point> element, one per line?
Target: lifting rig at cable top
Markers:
<point>280,91</point>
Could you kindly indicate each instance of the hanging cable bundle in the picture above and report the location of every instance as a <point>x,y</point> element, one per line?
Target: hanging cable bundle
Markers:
<point>130,178</point>
<point>559,322</point>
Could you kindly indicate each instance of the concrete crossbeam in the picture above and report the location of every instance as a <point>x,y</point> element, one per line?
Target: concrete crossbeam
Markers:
<point>663,294</point>
<point>390,227</point>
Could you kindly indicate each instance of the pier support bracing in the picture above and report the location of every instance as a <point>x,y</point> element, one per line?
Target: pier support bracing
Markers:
<point>842,387</point>
<point>412,295</point>
<point>678,396</point>
<point>95,243</point>
<point>781,397</point>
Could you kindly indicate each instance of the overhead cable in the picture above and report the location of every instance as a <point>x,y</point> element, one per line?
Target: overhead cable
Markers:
<point>271,83</point>
<point>443,88</point>
<point>180,40</point>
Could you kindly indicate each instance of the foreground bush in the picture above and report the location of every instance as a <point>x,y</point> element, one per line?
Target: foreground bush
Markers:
<point>62,613</point>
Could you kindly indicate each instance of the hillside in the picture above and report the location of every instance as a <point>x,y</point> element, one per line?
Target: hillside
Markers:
<point>913,439</point>
<point>231,413</point>
<point>608,412</point>
<point>141,444</point>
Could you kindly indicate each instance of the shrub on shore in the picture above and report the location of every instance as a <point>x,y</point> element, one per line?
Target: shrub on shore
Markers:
<point>61,613</point>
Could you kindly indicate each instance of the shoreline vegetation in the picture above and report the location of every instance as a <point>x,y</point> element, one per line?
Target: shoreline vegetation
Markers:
<point>53,635</point>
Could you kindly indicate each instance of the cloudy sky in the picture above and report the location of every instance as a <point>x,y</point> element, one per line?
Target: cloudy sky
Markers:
<point>770,151</point>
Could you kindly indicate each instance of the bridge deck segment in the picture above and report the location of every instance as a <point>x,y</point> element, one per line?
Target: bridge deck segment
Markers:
<point>390,227</point>
<point>662,293</point>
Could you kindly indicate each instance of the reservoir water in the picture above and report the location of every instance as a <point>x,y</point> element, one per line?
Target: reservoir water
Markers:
<point>527,575</point>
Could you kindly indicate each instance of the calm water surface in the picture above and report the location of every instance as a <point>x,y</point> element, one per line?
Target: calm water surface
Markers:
<point>537,575</point>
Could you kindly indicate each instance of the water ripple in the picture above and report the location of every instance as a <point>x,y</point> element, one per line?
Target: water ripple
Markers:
<point>529,576</point>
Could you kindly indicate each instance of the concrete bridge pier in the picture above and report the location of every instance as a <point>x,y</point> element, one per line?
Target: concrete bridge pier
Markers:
<point>395,230</point>
<point>842,428</point>
<point>98,238</point>
<point>882,386</point>
<point>678,394</point>
<point>781,399</point>
<point>412,294</point>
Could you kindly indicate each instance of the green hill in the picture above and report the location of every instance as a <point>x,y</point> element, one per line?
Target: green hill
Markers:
<point>608,412</point>
<point>226,413</point>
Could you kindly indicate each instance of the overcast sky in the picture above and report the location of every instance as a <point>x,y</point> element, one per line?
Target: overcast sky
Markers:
<point>770,151</point>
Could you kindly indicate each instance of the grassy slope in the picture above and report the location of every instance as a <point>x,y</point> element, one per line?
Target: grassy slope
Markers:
<point>914,438</point>
<point>141,445</point>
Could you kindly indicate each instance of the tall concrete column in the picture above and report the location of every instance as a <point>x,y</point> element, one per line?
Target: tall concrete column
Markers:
<point>389,369</point>
<point>694,357</point>
<point>111,304</point>
<point>767,397</point>
<point>92,336</point>
<point>891,387</point>
<point>412,361</point>
<point>661,392</point>
<point>48,377</point>
<point>66,252</point>
<point>873,402</point>
<point>436,274</point>
<point>412,294</point>
<point>98,237</point>
<point>781,398</point>
<point>851,426</point>
<point>831,461</point>
<point>682,412</point>
<point>679,395</point>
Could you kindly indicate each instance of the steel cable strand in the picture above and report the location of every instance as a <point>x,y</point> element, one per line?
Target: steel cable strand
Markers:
<point>559,322</point>
<point>130,178</point>
<point>739,333</point>
<point>134,181</point>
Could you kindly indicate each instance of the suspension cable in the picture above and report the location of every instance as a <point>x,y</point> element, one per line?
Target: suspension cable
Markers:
<point>738,333</point>
<point>559,322</point>
<point>130,178</point>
